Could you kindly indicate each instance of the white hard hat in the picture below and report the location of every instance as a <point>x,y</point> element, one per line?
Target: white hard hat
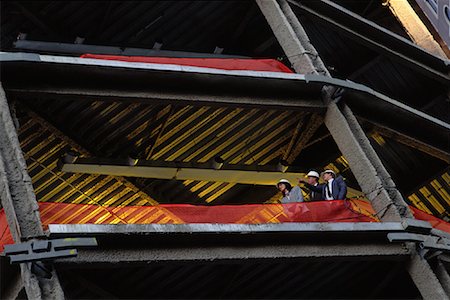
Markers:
<point>313,174</point>
<point>329,171</point>
<point>283,181</point>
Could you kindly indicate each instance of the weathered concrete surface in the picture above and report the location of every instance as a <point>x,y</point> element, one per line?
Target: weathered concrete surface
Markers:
<point>12,291</point>
<point>309,252</point>
<point>19,201</point>
<point>381,172</point>
<point>365,164</point>
<point>424,278</point>
<point>16,190</point>
<point>373,178</point>
<point>443,276</point>
<point>287,36</point>
<point>353,143</point>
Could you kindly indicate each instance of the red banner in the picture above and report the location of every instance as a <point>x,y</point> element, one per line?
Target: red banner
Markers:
<point>251,64</point>
<point>318,211</point>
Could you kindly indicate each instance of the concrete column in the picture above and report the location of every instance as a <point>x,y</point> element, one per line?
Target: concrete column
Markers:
<point>354,147</point>
<point>425,279</point>
<point>443,276</point>
<point>290,41</point>
<point>373,178</point>
<point>19,201</point>
<point>12,291</point>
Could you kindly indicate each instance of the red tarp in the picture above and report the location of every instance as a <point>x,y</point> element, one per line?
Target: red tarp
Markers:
<point>251,64</point>
<point>5,237</point>
<point>435,222</point>
<point>320,211</point>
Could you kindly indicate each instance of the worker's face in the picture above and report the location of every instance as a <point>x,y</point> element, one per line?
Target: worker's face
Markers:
<point>312,180</point>
<point>281,187</point>
<point>327,176</point>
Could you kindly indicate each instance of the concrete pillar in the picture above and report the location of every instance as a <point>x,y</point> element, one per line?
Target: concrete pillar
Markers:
<point>425,279</point>
<point>12,291</point>
<point>443,276</point>
<point>291,36</point>
<point>19,201</point>
<point>354,147</point>
<point>372,176</point>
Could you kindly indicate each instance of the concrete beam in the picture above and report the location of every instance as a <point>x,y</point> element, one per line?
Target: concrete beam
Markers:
<point>19,201</point>
<point>166,97</point>
<point>307,252</point>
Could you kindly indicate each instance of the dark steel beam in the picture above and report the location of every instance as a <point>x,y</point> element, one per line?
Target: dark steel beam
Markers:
<point>377,38</point>
<point>414,143</point>
<point>78,49</point>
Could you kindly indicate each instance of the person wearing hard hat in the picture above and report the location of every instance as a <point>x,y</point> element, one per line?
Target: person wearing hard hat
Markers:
<point>313,179</point>
<point>334,187</point>
<point>290,193</point>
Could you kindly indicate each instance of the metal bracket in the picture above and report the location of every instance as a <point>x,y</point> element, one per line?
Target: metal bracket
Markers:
<point>417,226</point>
<point>428,246</point>
<point>40,250</point>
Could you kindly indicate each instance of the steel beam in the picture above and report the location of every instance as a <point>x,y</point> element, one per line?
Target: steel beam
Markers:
<point>414,143</point>
<point>414,27</point>
<point>19,202</point>
<point>66,48</point>
<point>377,38</point>
<point>261,175</point>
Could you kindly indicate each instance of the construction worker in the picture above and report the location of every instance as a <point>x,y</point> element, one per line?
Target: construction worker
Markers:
<point>333,188</point>
<point>290,193</point>
<point>313,179</point>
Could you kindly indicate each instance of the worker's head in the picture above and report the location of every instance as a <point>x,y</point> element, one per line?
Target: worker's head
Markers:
<point>328,174</point>
<point>284,186</point>
<point>313,177</point>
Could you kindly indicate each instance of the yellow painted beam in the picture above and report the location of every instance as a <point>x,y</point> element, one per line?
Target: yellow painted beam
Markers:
<point>232,176</point>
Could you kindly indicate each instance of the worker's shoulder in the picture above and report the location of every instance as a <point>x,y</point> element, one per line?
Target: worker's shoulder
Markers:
<point>339,179</point>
